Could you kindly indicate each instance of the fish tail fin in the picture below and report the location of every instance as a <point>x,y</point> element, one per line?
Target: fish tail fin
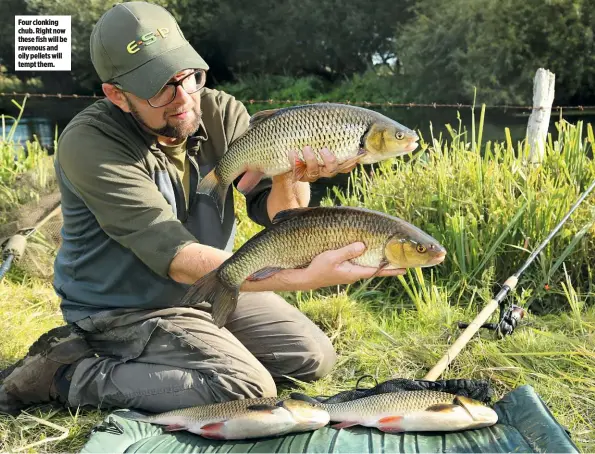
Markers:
<point>222,296</point>
<point>212,186</point>
<point>133,415</point>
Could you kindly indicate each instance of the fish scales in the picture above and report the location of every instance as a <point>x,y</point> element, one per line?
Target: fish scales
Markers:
<point>299,235</point>
<point>401,403</point>
<point>352,134</point>
<point>217,411</point>
<point>293,129</point>
<point>311,232</point>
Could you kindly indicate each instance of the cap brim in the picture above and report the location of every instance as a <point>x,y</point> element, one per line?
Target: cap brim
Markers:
<point>146,80</point>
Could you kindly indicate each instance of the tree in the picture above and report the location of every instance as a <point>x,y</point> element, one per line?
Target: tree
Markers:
<point>9,9</point>
<point>496,46</point>
<point>334,38</point>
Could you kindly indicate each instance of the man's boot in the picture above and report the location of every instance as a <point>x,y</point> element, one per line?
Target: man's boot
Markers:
<point>44,374</point>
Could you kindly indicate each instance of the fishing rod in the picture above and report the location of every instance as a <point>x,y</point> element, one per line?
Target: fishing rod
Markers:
<point>509,318</point>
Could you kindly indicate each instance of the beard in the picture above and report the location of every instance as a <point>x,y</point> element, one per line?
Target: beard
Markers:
<point>181,130</point>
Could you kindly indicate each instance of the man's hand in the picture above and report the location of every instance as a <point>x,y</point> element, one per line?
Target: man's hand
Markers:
<point>313,170</point>
<point>291,189</point>
<point>326,269</point>
<point>333,268</point>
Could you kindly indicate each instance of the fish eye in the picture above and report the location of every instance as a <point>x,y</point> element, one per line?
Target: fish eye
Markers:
<point>400,135</point>
<point>420,248</point>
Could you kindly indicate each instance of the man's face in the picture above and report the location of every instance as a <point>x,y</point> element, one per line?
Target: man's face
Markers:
<point>177,120</point>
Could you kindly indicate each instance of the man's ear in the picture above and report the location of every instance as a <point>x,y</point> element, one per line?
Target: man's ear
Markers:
<point>116,96</point>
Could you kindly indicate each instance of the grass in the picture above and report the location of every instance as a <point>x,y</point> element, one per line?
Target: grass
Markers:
<point>26,170</point>
<point>489,209</point>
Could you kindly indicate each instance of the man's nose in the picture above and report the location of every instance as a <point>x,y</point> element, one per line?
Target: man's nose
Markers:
<point>182,96</point>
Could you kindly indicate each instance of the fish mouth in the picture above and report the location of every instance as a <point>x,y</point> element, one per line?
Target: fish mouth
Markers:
<point>437,259</point>
<point>482,415</point>
<point>314,421</point>
<point>319,420</point>
<point>412,145</point>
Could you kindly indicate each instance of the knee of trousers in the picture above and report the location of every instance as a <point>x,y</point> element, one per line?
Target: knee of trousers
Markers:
<point>319,359</point>
<point>264,385</point>
<point>247,384</point>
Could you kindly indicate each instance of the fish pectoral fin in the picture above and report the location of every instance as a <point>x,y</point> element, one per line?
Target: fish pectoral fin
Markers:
<point>381,266</point>
<point>261,116</point>
<point>262,407</point>
<point>442,408</point>
<point>390,424</point>
<point>284,215</point>
<point>175,427</point>
<point>351,161</point>
<point>212,430</point>
<point>299,169</point>
<point>263,273</point>
<point>249,181</point>
<point>390,419</point>
<point>344,424</point>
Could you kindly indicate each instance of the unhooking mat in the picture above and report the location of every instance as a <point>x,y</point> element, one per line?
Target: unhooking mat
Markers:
<point>524,425</point>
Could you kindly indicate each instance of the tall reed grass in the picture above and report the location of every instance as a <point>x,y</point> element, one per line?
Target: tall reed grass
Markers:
<point>490,208</point>
<point>25,169</point>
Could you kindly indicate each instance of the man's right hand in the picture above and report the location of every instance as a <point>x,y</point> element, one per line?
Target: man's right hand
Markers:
<point>333,268</point>
<point>326,269</point>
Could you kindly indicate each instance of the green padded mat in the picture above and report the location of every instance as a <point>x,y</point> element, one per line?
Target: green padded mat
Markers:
<point>525,425</point>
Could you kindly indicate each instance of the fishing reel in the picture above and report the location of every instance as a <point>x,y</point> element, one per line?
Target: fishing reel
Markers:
<point>508,321</point>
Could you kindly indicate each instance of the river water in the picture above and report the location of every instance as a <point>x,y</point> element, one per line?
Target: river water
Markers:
<point>44,119</point>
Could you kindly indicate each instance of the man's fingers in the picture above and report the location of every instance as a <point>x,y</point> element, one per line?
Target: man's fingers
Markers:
<point>397,272</point>
<point>330,162</point>
<point>366,272</point>
<point>292,158</point>
<point>346,253</point>
<point>312,166</point>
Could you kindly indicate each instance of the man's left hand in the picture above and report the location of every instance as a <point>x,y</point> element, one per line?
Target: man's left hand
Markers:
<point>314,170</point>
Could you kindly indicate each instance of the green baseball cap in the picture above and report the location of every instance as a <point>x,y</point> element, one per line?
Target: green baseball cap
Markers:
<point>140,46</point>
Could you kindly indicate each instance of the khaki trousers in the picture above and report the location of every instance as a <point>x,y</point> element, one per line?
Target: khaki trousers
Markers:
<point>164,359</point>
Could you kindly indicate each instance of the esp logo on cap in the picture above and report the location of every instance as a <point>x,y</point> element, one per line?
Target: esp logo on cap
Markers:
<point>146,40</point>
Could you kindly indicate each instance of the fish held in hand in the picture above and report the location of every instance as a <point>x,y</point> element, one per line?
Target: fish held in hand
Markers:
<point>299,235</point>
<point>352,134</point>
<point>240,419</point>
<point>409,411</point>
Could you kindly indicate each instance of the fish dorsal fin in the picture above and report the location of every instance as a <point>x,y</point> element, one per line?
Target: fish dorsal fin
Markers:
<point>304,398</point>
<point>261,116</point>
<point>284,215</point>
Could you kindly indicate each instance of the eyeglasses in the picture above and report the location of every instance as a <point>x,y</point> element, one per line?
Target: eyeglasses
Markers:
<point>190,83</point>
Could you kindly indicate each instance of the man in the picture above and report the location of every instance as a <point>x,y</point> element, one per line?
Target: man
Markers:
<point>136,234</point>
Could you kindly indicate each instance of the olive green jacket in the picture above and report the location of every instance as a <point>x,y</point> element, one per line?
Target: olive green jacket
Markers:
<point>125,216</point>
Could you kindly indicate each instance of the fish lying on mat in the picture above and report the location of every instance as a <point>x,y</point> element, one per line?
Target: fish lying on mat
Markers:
<point>353,134</point>
<point>240,419</point>
<point>299,235</point>
<point>409,411</point>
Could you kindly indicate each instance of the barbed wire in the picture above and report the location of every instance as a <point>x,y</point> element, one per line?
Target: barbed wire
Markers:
<point>434,105</point>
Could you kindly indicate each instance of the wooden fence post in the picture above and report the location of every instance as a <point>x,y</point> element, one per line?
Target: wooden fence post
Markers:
<point>539,121</point>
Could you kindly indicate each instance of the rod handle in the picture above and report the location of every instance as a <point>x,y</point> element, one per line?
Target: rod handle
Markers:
<point>463,339</point>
